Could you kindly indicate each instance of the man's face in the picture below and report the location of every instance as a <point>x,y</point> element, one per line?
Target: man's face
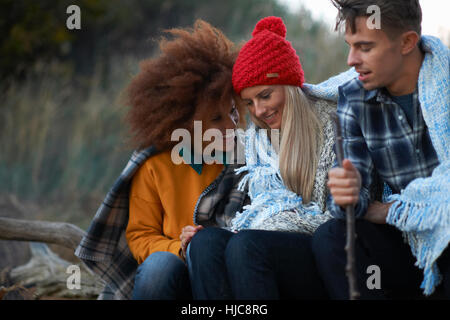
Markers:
<point>376,58</point>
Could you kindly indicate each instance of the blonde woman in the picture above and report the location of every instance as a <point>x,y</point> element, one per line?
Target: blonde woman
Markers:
<point>289,150</point>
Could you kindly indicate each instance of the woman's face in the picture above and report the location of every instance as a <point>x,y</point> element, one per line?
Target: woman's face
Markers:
<point>265,103</point>
<point>224,117</point>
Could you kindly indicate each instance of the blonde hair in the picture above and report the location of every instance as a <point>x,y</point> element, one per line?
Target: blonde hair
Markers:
<point>301,138</point>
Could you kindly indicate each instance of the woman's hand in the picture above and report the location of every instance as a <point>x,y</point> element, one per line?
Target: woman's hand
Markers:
<point>186,236</point>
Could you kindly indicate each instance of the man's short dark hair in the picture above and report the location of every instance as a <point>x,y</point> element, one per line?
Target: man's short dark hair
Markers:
<point>397,16</point>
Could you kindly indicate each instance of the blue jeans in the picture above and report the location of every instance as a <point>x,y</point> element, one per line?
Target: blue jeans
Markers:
<point>253,264</point>
<point>162,276</point>
<point>375,244</point>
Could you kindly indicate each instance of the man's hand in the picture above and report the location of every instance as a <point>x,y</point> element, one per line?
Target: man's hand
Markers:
<point>345,184</point>
<point>186,236</point>
<point>377,212</point>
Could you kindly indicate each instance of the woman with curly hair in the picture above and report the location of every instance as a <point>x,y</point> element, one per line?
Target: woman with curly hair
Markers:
<point>137,241</point>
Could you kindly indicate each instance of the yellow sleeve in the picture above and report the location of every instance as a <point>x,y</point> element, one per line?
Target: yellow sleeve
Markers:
<point>144,232</point>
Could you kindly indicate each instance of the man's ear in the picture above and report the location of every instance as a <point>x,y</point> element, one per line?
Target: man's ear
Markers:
<point>409,41</point>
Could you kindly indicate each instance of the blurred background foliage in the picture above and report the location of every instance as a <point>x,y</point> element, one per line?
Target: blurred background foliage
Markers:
<point>62,135</point>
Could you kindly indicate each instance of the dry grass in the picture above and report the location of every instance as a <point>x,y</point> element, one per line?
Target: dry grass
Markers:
<point>62,139</point>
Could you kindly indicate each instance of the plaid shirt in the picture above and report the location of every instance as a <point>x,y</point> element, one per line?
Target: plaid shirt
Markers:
<point>380,143</point>
<point>104,248</point>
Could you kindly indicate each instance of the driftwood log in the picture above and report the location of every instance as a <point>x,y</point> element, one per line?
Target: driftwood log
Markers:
<point>48,275</point>
<point>64,234</point>
<point>45,274</point>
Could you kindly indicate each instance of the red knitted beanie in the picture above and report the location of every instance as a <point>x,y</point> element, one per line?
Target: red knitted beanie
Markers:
<point>268,58</point>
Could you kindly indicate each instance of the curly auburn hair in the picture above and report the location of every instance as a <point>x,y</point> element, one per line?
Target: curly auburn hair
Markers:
<point>191,76</point>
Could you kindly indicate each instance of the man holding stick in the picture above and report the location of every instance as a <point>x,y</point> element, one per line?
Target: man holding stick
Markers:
<point>395,123</point>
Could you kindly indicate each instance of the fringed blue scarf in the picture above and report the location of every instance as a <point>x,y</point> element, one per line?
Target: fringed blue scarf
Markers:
<point>266,189</point>
<point>422,210</point>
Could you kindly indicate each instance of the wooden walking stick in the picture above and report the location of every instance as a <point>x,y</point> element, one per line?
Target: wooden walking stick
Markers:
<point>350,218</point>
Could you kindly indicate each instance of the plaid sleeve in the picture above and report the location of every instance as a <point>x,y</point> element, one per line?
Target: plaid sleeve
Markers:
<point>355,148</point>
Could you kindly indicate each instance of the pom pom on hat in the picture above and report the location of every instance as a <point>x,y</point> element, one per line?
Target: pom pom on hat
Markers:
<point>267,59</point>
<point>272,24</point>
